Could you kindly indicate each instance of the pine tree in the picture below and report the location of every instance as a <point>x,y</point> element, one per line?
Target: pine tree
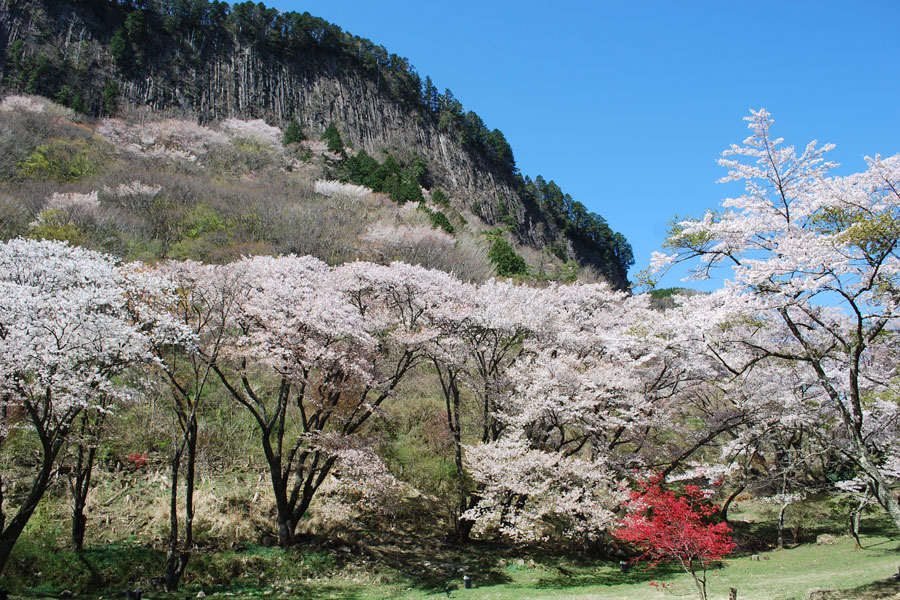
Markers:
<point>293,134</point>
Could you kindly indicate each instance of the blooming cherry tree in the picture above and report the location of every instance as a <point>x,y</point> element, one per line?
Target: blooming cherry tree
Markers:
<point>187,310</point>
<point>816,273</point>
<point>333,343</point>
<point>65,333</point>
<point>567,417</point>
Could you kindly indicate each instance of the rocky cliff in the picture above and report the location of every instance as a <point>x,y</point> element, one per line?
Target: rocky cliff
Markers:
<point>106,56</point>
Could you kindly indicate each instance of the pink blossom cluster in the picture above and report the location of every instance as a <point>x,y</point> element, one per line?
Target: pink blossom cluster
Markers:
<point>36,104</point>
<point>184,141</point>
<point>255,130</point>
<point>327,187</point>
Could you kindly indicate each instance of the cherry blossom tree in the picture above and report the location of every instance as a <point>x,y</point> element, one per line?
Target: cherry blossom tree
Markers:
<point>318,352</point>
<point>570,416</point>
<point>477,343</point>
<point>65,333</point>
<point>815,272</point>
<point>187,310</point>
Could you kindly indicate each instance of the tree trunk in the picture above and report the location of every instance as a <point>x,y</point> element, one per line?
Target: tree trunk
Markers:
<point>699,582</point>
<point>465,526</point>
<point>80,479</point>
<point>171,576</point>
<point>783,510</point>
<point>278,480</point>
<point>723,513</point>
<point>450,388</point>
<point>13,528</point>
<point>283,509</point>
<point>855,518</point>
<point>305,489</point>
<point>179,554</point>
<point>854,529</point>
<point>887,500</point>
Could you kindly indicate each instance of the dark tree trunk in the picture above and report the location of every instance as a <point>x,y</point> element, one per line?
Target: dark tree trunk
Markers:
<point>465,526</point>
<point>179,552</point>
<point>781,513</point>
<point>462,528</point>
<point>723,513</point>
<point>285,524</point>
<point>80,479</point>
<point>12,529</point>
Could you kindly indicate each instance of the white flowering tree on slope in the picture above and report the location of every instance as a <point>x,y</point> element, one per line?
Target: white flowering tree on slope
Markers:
<point>318,350</point>
<point>480,335</point>
<point>64,334</point>
<point>186,310</point>
<point>572,416</point>
<point>816,274</point>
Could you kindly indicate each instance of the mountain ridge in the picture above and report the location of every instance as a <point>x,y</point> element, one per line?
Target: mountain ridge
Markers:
<point>210,61</point>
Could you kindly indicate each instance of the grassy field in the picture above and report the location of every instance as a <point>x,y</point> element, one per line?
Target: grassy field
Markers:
<point>412,567</point>
<point>778,575</point>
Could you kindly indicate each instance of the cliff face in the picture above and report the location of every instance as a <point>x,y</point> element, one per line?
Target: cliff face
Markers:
<point>51,46</point>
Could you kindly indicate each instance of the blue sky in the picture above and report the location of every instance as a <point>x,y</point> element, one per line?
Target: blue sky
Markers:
<point>627,105</point>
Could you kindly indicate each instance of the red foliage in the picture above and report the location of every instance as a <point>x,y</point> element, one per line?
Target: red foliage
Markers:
<point>669,527</point>
<point>138,460</point>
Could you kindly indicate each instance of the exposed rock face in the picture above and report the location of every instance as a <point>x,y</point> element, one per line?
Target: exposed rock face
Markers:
<point>224,77</point>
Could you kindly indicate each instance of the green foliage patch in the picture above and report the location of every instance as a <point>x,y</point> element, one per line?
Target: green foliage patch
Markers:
<point>438,219</point>
<point>65,160</point>
<point>293,134</point>
<point>505,259</point>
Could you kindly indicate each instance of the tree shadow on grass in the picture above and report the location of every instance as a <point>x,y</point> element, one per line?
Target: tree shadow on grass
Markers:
<point>886,588</point>
<point>609,575</point>
<point>322,591</point>
<point>754,537</point>
<point>430,565</point>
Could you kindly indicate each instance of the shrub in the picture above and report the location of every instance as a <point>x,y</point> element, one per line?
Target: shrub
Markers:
<point>438,219</point>
<point>63,160</point>
<point>13,218</point>
<point>505,259</point>
<point>672,528</point>
<point>439,197</point>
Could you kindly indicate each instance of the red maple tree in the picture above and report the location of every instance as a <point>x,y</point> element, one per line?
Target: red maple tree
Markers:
<point>675,528</point>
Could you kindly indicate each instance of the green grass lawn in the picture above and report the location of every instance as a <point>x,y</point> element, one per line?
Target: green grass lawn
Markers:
<point>422,571</point>
<point>779,575</point>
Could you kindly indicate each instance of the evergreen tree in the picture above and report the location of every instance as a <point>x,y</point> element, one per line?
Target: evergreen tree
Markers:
<point>505,259</point>
<point>406,188</point>
<point>333,138</point>
<point>430,96</point>
<point>293,134</point>
<point>110,97</point>
<point>439,197</point>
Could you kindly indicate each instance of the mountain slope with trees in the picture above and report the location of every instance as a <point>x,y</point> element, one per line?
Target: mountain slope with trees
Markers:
<point>210,61</point>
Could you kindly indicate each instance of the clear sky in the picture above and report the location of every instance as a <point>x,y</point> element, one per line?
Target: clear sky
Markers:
<point>627,105</point>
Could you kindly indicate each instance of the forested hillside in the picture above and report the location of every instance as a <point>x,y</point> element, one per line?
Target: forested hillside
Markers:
<point>207,61</point>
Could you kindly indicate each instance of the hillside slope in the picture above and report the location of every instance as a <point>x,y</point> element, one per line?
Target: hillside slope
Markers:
<point>207,61</point>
